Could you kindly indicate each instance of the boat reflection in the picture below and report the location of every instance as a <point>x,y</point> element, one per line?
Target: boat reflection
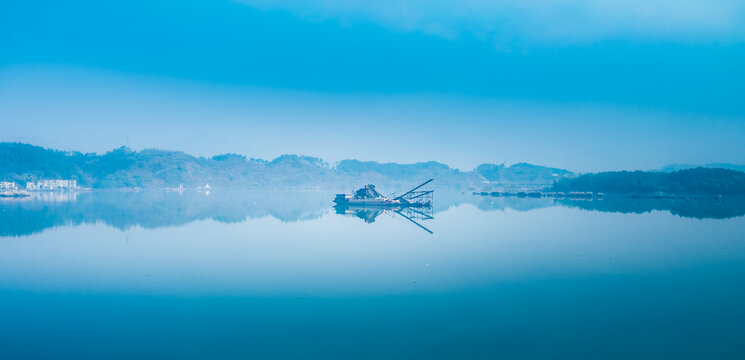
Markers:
<point>370,213</point>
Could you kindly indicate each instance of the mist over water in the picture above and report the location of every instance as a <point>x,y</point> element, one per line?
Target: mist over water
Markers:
<point>152,209</point>
<point>282,274</point>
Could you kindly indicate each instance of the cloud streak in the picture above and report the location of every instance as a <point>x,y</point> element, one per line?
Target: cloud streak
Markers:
<point>553,21</point>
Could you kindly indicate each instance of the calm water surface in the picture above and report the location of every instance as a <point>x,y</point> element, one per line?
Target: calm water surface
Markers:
<point>246,274</point>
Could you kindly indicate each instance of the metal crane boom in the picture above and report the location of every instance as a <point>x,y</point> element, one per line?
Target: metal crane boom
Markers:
<point>414,189</point>
<point>420,195</point>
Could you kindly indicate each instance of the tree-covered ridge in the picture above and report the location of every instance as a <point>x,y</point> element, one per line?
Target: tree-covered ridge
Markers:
<point>689,181</point>
<point>150,168</point>
<point>676,167</point>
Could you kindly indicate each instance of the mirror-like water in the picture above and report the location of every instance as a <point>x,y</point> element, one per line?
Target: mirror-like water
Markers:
<point>245,274</point>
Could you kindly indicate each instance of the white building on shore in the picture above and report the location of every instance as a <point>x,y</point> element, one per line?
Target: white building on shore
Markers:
<point>55,184</point>
<point>8,185</point>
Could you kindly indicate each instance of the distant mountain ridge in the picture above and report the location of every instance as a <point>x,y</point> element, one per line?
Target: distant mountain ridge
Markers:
<point>151,168</point>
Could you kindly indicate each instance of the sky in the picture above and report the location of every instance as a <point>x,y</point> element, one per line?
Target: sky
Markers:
<point>583,85</point>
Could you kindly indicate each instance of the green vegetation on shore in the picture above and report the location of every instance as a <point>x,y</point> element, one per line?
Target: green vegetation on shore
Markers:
<point>681,182</point>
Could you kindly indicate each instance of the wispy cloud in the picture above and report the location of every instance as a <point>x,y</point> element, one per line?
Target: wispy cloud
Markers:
<point>554,21</point>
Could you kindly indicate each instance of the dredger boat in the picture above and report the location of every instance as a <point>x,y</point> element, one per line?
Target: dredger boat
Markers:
<point>369,197</point>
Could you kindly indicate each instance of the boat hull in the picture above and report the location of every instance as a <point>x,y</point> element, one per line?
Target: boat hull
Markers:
<point>378,203</point>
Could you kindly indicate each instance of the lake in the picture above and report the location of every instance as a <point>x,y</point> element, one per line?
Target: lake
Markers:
<point>283,274</point>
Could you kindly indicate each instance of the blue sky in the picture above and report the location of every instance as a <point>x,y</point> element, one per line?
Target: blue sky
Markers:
<point>587,85</point>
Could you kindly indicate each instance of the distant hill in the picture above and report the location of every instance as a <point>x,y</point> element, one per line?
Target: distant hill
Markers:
<point>150,168</point>
<point>522,173</point>
<point>676,167</point>
<point>689,181</point>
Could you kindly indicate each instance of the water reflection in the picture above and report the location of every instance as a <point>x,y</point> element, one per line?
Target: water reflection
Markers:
<point>699,208</point>
<point>155,209</point>
<point>497,279</point>
<point>370,213</point>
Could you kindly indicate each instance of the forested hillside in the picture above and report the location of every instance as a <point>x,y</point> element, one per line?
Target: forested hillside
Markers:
<point>149,168</point>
